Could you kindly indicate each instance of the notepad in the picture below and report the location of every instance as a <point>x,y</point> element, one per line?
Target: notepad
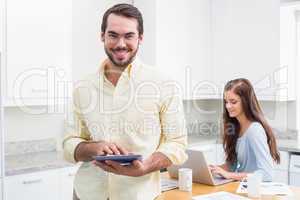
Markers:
<point>168,184</point>
<point>220,196</point>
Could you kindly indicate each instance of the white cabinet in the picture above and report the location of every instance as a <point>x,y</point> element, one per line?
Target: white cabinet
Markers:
<point>172,39</point>
<point>181,45</point>
<point>280,172</point>
<point>288,51</point>
<point>34,186</point>
<point>47,44</point>
<point>51,184</point>
<point>1,194</point>
<point>246,40</point>
<point>198,74</point>
<point>67,176</point>
<point>2,24</point>
<point>295,170</point>
<point>215,41</point>
<point>37,56</point>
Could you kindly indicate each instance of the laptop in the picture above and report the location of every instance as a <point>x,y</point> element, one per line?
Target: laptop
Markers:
<point>201,172</point>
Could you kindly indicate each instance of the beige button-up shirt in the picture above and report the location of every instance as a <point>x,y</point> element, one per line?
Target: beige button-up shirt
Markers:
<point>143,113</point>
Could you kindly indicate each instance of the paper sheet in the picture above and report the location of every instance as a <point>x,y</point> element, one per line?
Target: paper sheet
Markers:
<point>168,184</point>
<point>268,188</point>
<point>220,196</point>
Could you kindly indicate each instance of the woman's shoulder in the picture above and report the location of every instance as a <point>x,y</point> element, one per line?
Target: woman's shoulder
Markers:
<point>256,125</point>
<point>256,130</point>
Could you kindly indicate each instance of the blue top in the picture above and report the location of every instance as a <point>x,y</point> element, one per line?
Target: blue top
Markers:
<point>253,153</point>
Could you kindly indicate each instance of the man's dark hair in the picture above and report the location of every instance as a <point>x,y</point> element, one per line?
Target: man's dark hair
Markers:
<point>125,10</point>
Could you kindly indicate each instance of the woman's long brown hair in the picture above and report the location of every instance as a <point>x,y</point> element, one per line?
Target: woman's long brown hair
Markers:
<point>243,88</point>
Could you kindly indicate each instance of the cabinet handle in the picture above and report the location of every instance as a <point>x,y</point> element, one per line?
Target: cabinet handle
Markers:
<point>32,181</point>
<point>297,166</point>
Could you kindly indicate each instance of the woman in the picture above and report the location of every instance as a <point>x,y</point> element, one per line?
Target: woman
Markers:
<point>248,140</point>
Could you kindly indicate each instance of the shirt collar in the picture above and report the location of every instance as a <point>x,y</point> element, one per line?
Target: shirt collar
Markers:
<point>130,71</point>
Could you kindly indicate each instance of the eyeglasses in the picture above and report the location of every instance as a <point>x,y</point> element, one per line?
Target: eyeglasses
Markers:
<point>127,37</point>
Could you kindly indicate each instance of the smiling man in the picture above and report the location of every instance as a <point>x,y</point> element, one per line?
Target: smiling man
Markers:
<point>124,107</point>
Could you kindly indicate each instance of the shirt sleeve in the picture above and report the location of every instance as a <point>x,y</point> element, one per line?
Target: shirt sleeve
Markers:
<point>173,129</point>
<point>75,132</point>
<point>258,140</point>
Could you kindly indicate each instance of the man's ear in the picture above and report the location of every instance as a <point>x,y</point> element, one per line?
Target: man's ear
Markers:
<point>102,36</point>
<point>141,38</point>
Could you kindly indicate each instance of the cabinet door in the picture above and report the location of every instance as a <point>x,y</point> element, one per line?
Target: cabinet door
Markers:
<point>38,50</point>
<point>183,44</point>
<point>2,24</point>
<point>294,179</point>
<point>288,51</point>
<point>34,186</point>
<point>198,74</point>
<point>172,39</point>
<point>67,176</point>
<point>1,194</point>
<point>246,37</point>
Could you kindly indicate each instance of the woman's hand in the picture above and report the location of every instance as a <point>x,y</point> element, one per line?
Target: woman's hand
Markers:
<point>216,170</point>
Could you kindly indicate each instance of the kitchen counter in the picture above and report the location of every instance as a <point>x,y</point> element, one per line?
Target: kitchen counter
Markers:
<point>45,160</point>
<point>289,145</point>
<point>39,161</point>
<point>33,162</point>
<point>283,144</point>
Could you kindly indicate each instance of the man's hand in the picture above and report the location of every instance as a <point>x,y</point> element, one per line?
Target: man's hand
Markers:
<point>102,148</point>
<point>155,162</point>
<point>137,168</point>
<point>86,150</point>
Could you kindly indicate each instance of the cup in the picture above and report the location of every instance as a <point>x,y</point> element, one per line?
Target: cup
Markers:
<point>185,179</point>
<point>253,185</point>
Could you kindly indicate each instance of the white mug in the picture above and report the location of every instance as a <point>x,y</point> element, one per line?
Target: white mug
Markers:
<point>185,179</point>
<point>253,185</point>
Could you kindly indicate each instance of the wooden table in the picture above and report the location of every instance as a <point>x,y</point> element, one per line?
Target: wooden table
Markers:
<point>199,189</point>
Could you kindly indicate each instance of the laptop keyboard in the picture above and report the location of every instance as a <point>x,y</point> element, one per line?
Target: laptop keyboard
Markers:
<point>218,177</point>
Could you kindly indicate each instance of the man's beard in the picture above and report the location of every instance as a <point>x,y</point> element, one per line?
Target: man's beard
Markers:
<point>121,64</point>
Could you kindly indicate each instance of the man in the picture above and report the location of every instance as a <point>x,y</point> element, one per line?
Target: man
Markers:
<point>125,107</point>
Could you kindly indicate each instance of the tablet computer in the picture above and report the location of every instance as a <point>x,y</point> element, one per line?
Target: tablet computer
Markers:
<point>122,159</point>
